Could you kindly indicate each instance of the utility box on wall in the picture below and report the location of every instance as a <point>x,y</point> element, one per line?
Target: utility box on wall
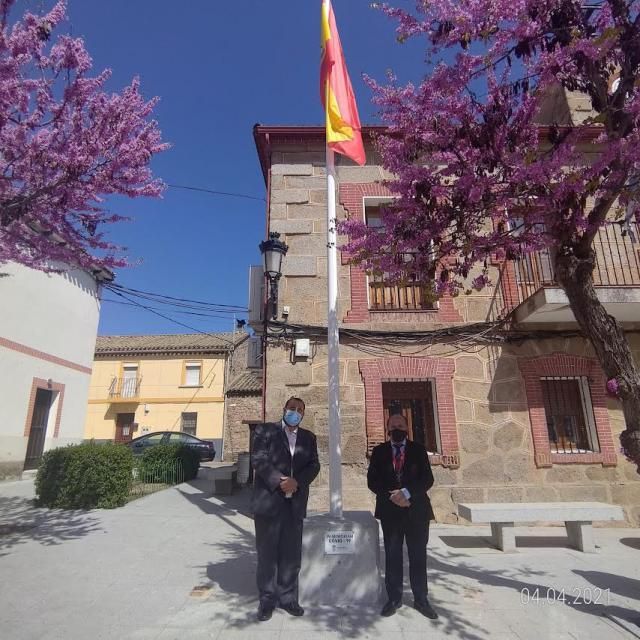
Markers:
<point>302,348</point>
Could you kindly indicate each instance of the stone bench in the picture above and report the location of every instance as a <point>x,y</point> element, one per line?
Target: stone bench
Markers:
<point>577,516</point>
<point>224,479</point>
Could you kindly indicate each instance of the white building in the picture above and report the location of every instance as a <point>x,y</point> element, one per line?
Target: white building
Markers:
<point>48,328</point>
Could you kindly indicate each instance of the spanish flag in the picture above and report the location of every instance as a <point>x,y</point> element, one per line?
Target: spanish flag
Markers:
<point>343,124</point>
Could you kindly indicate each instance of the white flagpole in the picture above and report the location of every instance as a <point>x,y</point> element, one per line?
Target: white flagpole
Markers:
<point>333,344</point>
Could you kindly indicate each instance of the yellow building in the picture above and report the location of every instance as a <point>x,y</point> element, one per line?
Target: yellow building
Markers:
<point>142,384</point>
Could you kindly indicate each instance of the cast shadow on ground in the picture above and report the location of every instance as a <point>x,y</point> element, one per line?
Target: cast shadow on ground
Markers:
<point>511,579</point>
<point>634,543</point>
<point>233,578</point>
<point>21,521</point>
<point>484,542</point>
<point>619,585</point>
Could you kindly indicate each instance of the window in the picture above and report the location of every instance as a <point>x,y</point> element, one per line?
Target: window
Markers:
<point>416,401</point>
<point>182,438</point>
<point>192,374</point>
<point>413,294</point>
<point>189,423</point>
<point>129,380</point>
<point>532,268</point>
<point>569,415</point>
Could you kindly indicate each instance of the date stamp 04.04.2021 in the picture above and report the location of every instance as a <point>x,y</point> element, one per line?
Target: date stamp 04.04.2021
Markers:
<point>578,596</point>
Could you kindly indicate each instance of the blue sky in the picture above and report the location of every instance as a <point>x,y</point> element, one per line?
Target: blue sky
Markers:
<point>219,67</point>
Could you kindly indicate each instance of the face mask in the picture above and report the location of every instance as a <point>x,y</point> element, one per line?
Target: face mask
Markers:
<point>398,435</point>
<point>292,418</point>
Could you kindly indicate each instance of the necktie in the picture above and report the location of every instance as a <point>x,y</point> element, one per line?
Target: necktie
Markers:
<point>397,458</point>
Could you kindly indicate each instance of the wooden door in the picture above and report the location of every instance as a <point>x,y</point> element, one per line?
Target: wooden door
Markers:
<point>38,431</point>
<point>124,427</point>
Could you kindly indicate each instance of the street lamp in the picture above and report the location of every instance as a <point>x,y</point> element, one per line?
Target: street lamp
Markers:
<point>273,250</point>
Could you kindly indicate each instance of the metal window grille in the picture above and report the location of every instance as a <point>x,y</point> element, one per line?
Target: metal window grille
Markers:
<point>416,400</point>
<point>189,423</point>
<point>569,414</point>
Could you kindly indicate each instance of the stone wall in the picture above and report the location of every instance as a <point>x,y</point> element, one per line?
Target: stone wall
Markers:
<point>496,454</point>
<point>494,458</point>
<point>236,434</point>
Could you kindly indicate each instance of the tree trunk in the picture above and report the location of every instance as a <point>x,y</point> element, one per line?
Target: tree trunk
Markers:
<point>575,276</point>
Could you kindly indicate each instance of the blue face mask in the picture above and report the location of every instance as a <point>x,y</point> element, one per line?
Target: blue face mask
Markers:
<point>292,418</point>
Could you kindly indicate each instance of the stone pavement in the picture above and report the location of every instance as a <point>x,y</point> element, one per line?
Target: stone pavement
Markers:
<point>180,564</point>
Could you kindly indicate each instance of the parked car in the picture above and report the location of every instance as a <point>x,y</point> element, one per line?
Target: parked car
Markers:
<point>204,447</point>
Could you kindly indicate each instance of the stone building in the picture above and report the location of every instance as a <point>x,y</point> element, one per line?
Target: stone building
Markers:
<point>243,398</point>
<point>506,421</point>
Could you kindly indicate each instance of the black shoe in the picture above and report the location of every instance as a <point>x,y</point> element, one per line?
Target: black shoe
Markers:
<point>390,608</point>
<point>425,609</point>
<point>293,609</point>
<point>264,612</point>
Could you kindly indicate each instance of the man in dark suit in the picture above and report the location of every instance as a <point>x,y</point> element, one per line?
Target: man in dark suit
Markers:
<point>400,476</point>
<point>285,460</point>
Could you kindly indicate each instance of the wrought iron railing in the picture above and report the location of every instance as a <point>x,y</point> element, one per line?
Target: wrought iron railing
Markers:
<point>122,388</point>
<point>151,477</point>
<point>413,294</point>
<point>617,263</point>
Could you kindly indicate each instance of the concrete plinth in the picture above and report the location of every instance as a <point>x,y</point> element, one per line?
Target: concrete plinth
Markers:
<point>331,577</point>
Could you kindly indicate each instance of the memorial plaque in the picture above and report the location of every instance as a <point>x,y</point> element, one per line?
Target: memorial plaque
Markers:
<point>339,542</point>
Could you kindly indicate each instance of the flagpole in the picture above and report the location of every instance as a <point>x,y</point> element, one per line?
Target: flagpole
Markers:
<point>333,344</point>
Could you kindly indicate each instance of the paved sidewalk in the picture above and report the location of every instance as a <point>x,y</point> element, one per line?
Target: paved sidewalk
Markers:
<point>180,565</point>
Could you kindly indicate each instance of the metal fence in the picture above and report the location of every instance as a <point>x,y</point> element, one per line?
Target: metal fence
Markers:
<point>149,478</point>
<point>617,263</point>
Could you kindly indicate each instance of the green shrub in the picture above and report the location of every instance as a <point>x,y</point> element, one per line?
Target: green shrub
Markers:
<point>85,476</point>
<point>169,463</point>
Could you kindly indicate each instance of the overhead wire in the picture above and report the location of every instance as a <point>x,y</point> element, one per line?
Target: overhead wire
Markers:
<point>191,313</point>
<point>177,322</point>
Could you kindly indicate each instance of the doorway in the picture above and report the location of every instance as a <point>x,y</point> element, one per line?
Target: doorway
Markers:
<point>416,401</point>
<point>38,430</point>
<point>124,427</point>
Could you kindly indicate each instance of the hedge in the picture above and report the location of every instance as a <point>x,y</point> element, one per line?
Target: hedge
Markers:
<point>85,476</point>
<point>169,463</point>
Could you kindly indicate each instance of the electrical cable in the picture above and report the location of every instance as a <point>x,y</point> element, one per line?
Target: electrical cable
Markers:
<point>191,313</point>
<point>216,193</point>
<point>182,324</point>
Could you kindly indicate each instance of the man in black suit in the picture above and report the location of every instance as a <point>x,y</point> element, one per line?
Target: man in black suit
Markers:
<point>285,460</point>
<point>400,476</point>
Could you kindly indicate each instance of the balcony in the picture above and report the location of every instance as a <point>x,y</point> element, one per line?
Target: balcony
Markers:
<point>124,389</point>
<point>413,295</point>
<point>616,277</point>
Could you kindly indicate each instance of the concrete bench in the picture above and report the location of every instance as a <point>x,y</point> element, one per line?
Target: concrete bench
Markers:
<point>577,516</point>
<point>224,479</point>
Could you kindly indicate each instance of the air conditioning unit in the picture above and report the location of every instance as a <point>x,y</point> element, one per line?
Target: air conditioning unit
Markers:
<point>254,353</point>
<point>256,295</point>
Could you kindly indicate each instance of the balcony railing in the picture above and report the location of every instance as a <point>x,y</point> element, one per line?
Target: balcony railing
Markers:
<point>617,263</point>
<point>413,295</point>
<point>124,388</point>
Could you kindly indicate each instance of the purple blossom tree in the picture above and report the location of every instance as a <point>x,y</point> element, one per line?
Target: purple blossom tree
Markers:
<point>65,144</point>
<point>478,172</point>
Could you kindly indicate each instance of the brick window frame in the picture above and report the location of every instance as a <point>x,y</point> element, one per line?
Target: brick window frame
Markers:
<point>351,196</point>
<point>40,383</point>
<point>566,365</point>
<point>408,369</point>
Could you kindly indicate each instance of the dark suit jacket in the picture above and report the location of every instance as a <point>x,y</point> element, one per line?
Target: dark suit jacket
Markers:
<point>271,460</point>
<point>416,477</point>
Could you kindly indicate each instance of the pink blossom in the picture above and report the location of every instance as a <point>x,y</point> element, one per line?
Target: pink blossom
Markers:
<point>66,144</point>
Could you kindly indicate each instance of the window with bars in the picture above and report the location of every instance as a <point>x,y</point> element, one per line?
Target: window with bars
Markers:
<point>411,295</point>
<point>569,415</point>
<point>189,423</point>
<point>416,401</point>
